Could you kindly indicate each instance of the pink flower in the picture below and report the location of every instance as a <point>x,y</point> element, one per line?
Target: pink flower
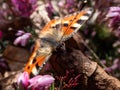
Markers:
<point>114,16</point>
<point>114,66</point>
<point>108,69</point>
<point>22,39</point>
<point>41,82</point>
<point>24,7</point>
<point>36,83</point>
<point>23,80</point>
<point>115,9</point>
<point>69,5</point>
<point>19,33</point>
<point>50,9</point>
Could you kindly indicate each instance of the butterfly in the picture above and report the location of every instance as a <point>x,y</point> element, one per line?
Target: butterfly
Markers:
<point>52,35</point>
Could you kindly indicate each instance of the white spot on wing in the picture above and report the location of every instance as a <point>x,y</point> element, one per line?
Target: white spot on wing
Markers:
<point>34,71</point>
<point>76,25</point>
<point>89,12</point>
<point>84,17</point>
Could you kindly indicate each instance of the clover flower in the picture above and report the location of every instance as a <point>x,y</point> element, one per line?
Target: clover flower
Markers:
<point>22,39</point>
<point>41,82</point>
<point>114,66</point>
<point>36,83</point>
<point>23,80</point>
<point>68,5</point>
<point>24,7</point>
<point>114,16</point>
<point>114,20</point>
<point>50,9</point>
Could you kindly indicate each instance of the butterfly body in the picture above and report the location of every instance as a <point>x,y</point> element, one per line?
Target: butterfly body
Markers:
<point>52,35</point>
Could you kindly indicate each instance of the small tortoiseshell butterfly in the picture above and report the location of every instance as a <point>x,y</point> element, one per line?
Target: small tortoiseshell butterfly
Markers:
<point>52,35</point>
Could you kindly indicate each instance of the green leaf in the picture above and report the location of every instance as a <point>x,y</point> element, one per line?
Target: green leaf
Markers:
<point>52,86</point>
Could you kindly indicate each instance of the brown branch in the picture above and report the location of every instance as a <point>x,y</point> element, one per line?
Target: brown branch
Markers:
<point>94,77</point>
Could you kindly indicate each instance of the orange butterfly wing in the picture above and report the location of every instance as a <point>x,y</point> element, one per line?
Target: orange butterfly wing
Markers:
<point>31,64</point>
<point>51,35</point>
<point>39,55</point>
<point>69,24</point>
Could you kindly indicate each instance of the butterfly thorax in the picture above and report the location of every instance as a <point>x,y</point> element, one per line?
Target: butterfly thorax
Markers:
<point>50,38</point>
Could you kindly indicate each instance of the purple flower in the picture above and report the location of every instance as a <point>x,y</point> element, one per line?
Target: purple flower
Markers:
<point>69,5</point>
<point>41,82</point>
<point>113,16</point>
<point>115,66</point>
<point>103,62</point>
<point>117,62</point>
<point>108,69</point>
<point>50,9</point>
<point>1,34</point>
<point>20,32</point>
<point>114,9</point>
<point>36,83</point>
<point>24,7</point>
<point>23,80</point>
<point>23,39</point>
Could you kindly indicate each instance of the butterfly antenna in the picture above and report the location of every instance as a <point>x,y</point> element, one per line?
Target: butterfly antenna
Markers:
<point>83,4</point>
